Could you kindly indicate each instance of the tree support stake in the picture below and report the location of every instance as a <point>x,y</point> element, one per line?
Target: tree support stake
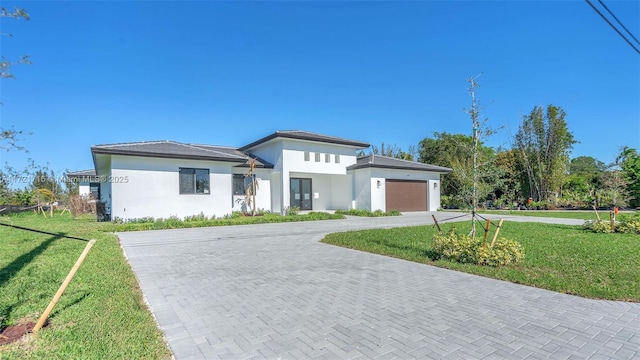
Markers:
<point>62,288</point>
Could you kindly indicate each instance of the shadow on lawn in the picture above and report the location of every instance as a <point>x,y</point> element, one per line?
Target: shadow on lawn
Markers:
<point>72,303</point>
<point>16,265</point>
<point>428,253</point>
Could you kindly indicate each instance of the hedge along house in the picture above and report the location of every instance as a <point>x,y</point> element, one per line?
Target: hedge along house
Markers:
<point>293,168</point>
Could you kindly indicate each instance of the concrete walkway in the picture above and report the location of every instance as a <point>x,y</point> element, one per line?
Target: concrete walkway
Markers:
<point>273,291</point>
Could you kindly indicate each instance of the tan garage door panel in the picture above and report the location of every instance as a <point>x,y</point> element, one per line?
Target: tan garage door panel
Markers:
<point>406,195</point>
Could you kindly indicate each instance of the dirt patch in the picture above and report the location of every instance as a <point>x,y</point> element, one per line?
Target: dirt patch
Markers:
<point>15,332</point>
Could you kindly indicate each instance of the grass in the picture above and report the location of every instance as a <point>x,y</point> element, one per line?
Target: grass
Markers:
<point>367,213</point>
<point>570,214</point>
<point>174,223</point>
<point>561,258</point>
<point>100,316</point>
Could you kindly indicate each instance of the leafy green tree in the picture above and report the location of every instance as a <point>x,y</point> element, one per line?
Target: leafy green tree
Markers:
<point>393,151</point>
<point>45,179</point>
<point>585,180</point>
<point>455,151</point>
<point>544,144</point>
<point>510,191</point>
<point>629,161</point>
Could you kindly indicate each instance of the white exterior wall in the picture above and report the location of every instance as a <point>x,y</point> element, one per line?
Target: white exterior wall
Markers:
<point>83,189</point>
<point>145,186</point>
<point>378,193</point>
<point>362,189</point>
<point>341,192</point>
<point>330,182</point>
<point>276,187</point>
<point>328,192</point>
<point>433,197</point>
<point>263,195</point>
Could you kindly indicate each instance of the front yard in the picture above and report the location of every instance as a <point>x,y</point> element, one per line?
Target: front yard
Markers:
<point>558,257</point>
<point>100,316</point>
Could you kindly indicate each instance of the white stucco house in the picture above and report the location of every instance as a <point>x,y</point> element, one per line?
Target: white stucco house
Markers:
<point>294,169</point>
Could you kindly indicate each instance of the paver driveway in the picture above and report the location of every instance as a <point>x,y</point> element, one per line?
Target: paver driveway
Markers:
<point>274,291</point>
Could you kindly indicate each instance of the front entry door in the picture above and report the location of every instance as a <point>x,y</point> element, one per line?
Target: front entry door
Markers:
<point>300,193</point>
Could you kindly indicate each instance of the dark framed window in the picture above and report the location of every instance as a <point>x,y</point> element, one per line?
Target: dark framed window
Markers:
<point>94,190</point>
<point>337,158</point>
<point>327,158</point>
<point>306,156</point>
<point>317,157</point>
<point>194,181</point>
<point>238,184</point>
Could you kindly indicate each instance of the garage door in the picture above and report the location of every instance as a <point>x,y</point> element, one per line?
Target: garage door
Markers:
<point>406,195</point>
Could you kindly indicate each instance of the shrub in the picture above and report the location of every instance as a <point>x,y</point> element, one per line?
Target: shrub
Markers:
<point>464,249</point>
<point>359,212</point>
<point>291,210</point>
<point>628,227</point>
<point>198,217</point>
<point>625,224</point>
<point>595,226</point>
<point>79,205</point>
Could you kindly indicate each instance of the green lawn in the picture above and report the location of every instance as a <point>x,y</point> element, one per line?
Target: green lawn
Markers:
<point>100,316</point>
<point>571,214</point>
<point>558,257</point>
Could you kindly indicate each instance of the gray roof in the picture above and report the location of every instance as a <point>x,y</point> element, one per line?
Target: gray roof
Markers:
<point>81,173</point>
<point>385,162</point>
<point>306,135</point>
<point>176,150</point>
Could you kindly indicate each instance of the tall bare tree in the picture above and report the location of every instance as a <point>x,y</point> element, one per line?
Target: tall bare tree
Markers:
<point>480,169</point>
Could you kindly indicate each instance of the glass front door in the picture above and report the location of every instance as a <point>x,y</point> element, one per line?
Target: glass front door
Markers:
<point>300,193</point>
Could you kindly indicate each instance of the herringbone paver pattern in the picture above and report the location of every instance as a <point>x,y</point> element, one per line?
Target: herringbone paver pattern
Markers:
<point>272,291</point>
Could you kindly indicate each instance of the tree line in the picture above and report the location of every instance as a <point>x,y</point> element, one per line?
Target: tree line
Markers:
<point>537,171</point>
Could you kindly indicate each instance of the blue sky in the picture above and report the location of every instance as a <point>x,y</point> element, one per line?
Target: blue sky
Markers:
<point>228,73</point>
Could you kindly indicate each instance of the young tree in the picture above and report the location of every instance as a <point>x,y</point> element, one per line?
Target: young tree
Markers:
<point>544,143</point>
<point>251,187</point>
<point>483,173</point>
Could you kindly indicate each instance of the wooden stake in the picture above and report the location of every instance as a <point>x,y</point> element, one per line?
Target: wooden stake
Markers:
<point>495,236</point>
<point>612,222</point>
<point>486,232</point>
<point>436,222</point>
<point>596,211</point>
<point>62,288</point>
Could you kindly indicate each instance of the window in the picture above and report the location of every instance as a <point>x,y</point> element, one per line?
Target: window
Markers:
<point>94,190</point>
<point>317,157</point>
<point>306,156</point>
<point>337,158</point>
<point>238,184</point>
<point>194,181</point>
<point>327,158</point>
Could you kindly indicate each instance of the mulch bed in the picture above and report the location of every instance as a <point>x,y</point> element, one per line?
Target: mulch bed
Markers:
<point>15,332</point>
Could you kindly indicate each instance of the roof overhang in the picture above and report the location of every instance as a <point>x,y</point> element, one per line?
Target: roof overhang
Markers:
<point>306,137</point>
